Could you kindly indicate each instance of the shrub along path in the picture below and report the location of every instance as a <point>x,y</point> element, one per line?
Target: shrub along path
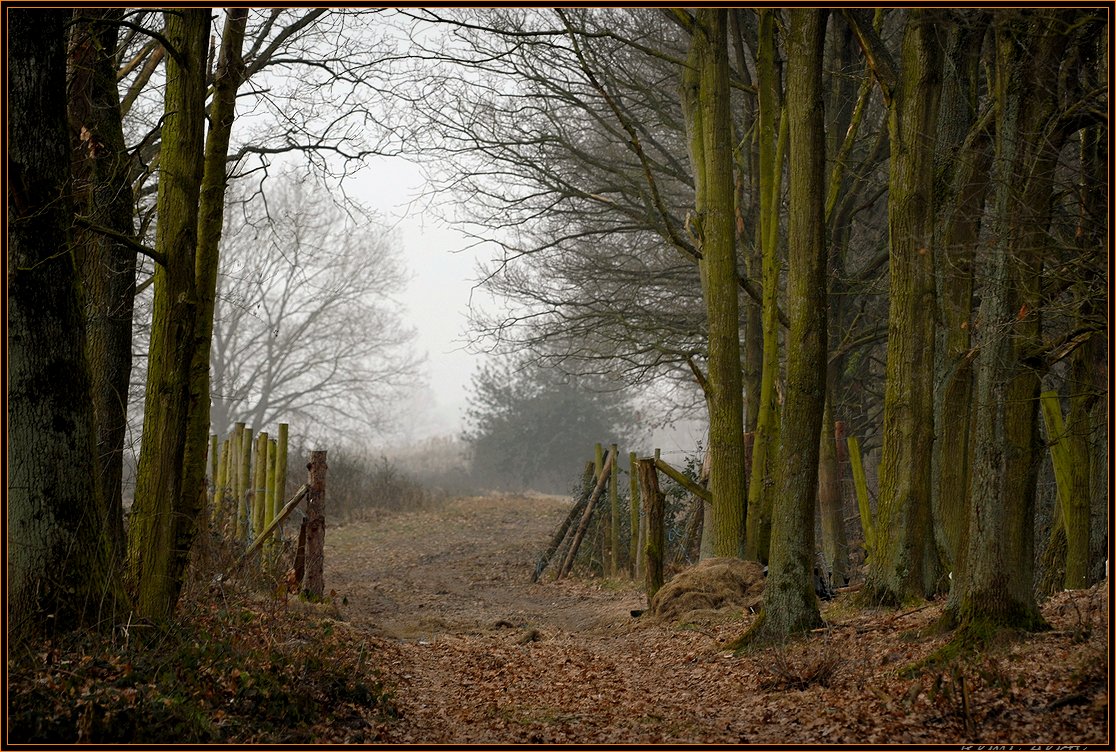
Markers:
<point>474,653</point>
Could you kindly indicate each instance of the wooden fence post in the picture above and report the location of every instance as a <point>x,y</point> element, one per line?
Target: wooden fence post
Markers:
<point>614,503</point>
<point>281,465</point>
<point>315,524</point>
<point>271,502</point>
<point>259,486</point>
<point>655,501</point>
<point>633,497</point>
<point>243,476</point>
<point>220,485</point>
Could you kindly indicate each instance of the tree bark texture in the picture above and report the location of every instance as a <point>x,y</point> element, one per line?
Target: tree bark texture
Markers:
<point>905,566</point>
<point>997,584</point>
<point>103,196</point>
<point>210,220</point>
<point>761,481</point>
<point>705,101</point>
<point>59,574</point>
<point>165,512</point>
<point>790,604</point>
<point>831,505</point>
<point>962,165</point>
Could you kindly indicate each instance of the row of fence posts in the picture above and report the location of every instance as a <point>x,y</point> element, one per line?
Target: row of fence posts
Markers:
<point>647,512</point>
<point>249,480</point>
<point>249,475</point>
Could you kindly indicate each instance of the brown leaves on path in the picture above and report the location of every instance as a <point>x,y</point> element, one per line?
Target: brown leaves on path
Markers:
<point>482,656</point>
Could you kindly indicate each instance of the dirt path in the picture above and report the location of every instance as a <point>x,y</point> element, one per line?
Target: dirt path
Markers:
<point>464,570</point>
<point>477,654</point>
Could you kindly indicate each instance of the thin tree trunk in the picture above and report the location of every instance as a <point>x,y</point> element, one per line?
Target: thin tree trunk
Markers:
<point>790,605</point>
<point>165,513</point>
<point>962,165</point>
<point>831,506</point>
<point>705,101</point>
<point>760,482</point>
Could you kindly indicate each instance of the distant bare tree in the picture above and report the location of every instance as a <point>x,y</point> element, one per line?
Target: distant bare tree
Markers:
<point>305,328</point>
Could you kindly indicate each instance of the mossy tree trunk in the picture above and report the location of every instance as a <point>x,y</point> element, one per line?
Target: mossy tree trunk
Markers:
<point>747,229</point>
<point>705,104</point>
<point>905,565</point>
<point>107,266</point>
<point>997,583</point>
<point>60,573</point>
<point>165,512</point>
<point>170,493</point>
<point>771,125</point>
<point>831,507</point>
<point>962,165</point>
<point>790,605</point>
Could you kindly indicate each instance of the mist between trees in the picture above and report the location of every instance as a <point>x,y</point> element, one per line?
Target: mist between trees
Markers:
<point>776,220</point>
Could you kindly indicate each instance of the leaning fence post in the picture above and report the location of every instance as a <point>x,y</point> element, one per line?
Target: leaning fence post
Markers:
<point>315,524</point>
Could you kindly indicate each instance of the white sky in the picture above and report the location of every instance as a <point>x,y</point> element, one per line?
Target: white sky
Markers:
<point>442,264</point>
<point>442,269</point>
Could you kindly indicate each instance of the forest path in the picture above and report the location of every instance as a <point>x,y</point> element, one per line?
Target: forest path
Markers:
<point>481,654</point>
<point>475,653</point>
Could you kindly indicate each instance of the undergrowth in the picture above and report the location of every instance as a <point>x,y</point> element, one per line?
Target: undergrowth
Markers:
<point>232,666</point>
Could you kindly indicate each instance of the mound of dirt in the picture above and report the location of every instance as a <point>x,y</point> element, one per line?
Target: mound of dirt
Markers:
<point>711,585</point>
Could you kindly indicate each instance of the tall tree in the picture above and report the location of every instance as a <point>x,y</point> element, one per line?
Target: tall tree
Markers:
<point>104,239</point>
<point>790,604</point>
<point>772,123</point>
<point>165,511</point>
<point>905,565</point>
<point>996,586</point>
<point>60,575</point>
<point>962,164</point>
<point>705,104</point>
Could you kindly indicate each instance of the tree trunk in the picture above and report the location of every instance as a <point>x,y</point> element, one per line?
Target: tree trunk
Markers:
<point>761,481</point>
<point>997,585</point>
<point>705,101</point>
<point>962,164</point>
<point>633,503</point>
<point>831,507</point>
<point>60,575</point>
<point>905,566</point>
<point>314,586</point>
<point>210,220</point>
<point>165,512</point>
<point>103,193</point>
<point>790,605</point>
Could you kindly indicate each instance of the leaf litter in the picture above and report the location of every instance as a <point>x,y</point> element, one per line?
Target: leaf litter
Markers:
<point>436,635</point>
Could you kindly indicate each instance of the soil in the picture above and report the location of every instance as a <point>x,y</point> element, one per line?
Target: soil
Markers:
<point>475,653</point>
